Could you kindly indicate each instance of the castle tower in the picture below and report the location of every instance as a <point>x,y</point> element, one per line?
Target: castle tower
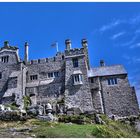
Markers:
<point>68,44</point>
<point>77,89</point>
<point>85,46</point>
<point>26,58</point>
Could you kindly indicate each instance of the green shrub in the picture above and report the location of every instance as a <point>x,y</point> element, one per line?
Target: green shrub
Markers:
<point>12,106</point>
<point>27,101</point>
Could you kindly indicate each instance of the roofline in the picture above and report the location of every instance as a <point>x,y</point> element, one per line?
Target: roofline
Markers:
<point>108,75</point>
<point>107,66</point>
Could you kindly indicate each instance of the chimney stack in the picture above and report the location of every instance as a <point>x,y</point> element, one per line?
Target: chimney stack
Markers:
<point>68,44</point>
<point>26,52</point>
<point>102,63</point>
<point>6,44</point>
<point>84,43</point>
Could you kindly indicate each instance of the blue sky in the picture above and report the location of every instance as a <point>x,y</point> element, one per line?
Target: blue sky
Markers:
<point>112,31</point>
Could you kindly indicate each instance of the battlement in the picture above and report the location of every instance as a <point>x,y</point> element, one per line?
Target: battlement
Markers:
<point>59,57</point>
<point>75,51</point>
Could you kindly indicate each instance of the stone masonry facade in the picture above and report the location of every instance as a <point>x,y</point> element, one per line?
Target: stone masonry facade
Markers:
<point>66,79</point>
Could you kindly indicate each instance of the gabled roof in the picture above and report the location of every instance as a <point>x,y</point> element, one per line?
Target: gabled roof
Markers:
<point>107,70</point>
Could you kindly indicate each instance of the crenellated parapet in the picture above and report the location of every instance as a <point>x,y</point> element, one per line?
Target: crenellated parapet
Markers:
<point>75,51</point>
<point>58,58</point>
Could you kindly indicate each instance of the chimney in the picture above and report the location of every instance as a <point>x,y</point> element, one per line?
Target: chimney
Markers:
<point>68,44</point>
<point>6,44</point>
<point>26,56</point>
<point>102,63</point>
<point>84,43</point>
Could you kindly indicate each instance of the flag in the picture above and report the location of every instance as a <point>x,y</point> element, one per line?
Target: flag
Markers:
<point>55,45</point>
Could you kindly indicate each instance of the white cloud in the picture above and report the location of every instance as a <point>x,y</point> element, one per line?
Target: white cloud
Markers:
<point>137,31</point>
<point>137,45</point>
<point>115,36</point>
<point>130,42</point>
<point>135,20</point>
<point>110,25</point>
<point>135,60</point>
<point>132,21</point>
<point>131,60</point>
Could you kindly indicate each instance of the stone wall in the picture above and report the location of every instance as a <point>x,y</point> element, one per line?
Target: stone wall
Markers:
<point>46,88</point>
<point>96,94</point>
<point>119,99</point>
<point>12,82</point>
<point>78,96</point>
<point>7,68</point>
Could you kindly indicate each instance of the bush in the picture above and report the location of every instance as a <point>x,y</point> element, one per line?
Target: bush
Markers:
<point>27,101</point>
<point>78,119</point>
<point>12,106</point>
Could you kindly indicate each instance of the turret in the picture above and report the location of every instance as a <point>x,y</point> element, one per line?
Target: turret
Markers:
<point>6,44</point>
<point>84,43</point>
<point>26,57</point>
<point>102,63</point>
<point>68,44</point>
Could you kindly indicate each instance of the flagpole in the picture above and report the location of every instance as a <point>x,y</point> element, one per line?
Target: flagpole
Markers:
<point>57,46</point>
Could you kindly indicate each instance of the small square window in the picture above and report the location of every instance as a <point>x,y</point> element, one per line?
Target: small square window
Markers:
<point>50,75</point>
<point>33,77</point>
<point>5,59</point>
<point>75,62</point>
<point>77,79</point>
<point>112,81</point>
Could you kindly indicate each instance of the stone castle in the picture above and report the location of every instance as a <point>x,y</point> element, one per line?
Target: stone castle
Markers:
<point>66,79</point>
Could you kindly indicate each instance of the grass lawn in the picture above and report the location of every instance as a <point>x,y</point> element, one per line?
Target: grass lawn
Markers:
<point>113,129</point>
<point>43,129</point>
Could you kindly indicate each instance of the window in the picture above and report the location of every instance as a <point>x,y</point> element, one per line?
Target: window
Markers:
<point>38,60</point>
<point>53,74</point>
<point>33,77</point>
<point>77,79</point>
<point>0,75</point>
<point>5,59</point>
<point>62,57</point>
<point>112,81</point>
<point>50,75</point>
<point>75,62</point>
<point>92,80</point>
<point>31,61</point>
<point>56,74</point>
<point>46,60</point>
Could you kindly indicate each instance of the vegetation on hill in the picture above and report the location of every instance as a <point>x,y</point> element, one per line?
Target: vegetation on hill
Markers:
<point>43,129</point>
